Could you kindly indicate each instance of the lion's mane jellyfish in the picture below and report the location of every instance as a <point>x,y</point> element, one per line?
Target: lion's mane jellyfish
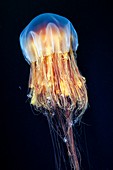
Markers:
<point>49,44</point>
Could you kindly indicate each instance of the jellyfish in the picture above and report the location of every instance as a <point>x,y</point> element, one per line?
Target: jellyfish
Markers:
<point>56,86</point>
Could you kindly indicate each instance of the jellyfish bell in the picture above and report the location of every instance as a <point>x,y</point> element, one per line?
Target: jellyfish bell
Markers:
<point>47,34</point>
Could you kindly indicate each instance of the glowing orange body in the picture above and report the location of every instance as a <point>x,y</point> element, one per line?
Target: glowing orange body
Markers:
<point>53,79</point>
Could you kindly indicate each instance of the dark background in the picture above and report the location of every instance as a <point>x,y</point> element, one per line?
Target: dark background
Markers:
<point>26,142</point>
